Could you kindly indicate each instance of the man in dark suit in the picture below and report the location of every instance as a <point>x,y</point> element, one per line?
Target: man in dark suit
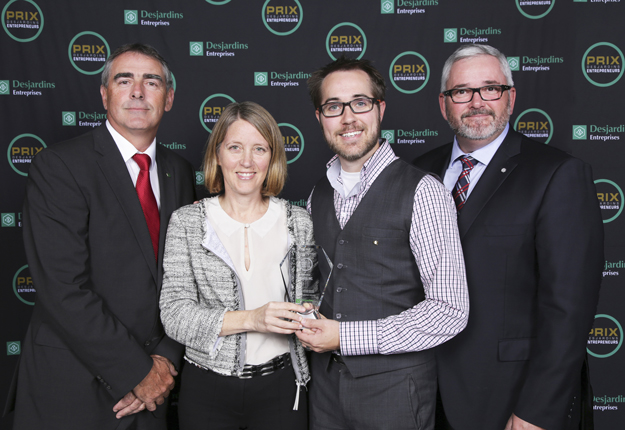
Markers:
<point>95,354</point>
<point>532,238</point>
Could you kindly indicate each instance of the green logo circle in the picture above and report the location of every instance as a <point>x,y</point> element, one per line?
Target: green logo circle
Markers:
<point>607,181</point>
<point>620,341</point>
<point>427,77</point>
<point>69,52</point>
<point>218,3</point>
<point>15,286</point>
<point>9,155</point>
<point>516,123</point>
<point>282,33</point>
<point>7,30</point>
<point>204,103</point>
<point>527,15</point>
<point>599,84</point>
<point>301,136</point>
<point>346,24</point>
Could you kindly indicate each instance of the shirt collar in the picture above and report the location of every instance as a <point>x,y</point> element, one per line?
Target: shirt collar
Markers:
<point>484,154</point>
<point>372,167</point>
<point>126,148</point>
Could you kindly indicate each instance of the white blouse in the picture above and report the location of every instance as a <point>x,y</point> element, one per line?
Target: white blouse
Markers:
<point>267,240</point>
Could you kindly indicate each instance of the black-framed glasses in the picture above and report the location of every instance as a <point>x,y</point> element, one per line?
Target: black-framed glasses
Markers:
<point>488,93</point>
<point>359,105</point>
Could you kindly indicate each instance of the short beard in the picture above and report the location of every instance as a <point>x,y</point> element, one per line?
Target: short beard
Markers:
<point>479,132</point>
<point>369,145</point>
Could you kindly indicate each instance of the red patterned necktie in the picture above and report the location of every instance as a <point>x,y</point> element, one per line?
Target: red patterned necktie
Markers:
<point>462,185</point>
<point>147,199</point>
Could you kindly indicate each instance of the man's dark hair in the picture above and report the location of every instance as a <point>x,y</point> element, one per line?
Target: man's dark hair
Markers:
<point>138,48</point>
<point>378,86</point>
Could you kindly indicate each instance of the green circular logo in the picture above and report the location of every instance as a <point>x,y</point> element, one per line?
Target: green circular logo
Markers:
<point>602,64</point>
<point>22,20</point>
<point>209,114</point>
<point>409,72</point>
<point>282,14</point>
<point>293,143</point>
<point>23,286</point>
<point>88,53</point>
<point>541,131</point>
<point>22,154</point>
<point>602,336</point>
<point>346,43</point>
<point>218,3</point>
<point>610,202</point>
<point>540,15</point>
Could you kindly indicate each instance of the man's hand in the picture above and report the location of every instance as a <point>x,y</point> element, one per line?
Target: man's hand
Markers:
<point>128,405</point>
<point>156,386</point>
<point>320,335</point>
<point>516,423</point>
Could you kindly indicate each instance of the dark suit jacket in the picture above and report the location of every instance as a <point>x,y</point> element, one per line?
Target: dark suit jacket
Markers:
<point>532,237</point>
<point>96,318</point>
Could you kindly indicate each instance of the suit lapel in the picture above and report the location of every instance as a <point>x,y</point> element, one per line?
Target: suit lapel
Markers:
<point>114,169</point>
<point>495,174</point>
<point>166,183</point>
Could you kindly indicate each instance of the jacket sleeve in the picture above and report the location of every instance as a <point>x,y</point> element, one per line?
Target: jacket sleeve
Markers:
<point>184,317</point>
<point>569,255</point>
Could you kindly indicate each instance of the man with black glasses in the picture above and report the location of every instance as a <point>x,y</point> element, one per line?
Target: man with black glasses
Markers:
<point>398,287</point>
<point>532,238</point>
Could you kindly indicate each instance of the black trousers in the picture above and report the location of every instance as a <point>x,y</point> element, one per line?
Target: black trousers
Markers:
<point>209,401</point>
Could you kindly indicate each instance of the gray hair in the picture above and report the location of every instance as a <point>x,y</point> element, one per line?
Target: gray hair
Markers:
<point>474,50</point>
<point>138,48</point>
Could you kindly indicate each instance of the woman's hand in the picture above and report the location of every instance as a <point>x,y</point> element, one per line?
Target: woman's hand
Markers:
<point>276,317</point>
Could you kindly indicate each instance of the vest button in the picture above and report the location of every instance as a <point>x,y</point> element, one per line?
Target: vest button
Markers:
<point>339,266</point>
<point>339,289</point>
<point>341,242</point>
<point>338,316</point>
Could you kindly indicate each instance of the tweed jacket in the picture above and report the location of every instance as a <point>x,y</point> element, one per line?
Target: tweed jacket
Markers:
<point>200,285</point>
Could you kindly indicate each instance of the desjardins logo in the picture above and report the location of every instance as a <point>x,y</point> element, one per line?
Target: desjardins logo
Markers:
<point>14,347</point>
<point>8,219</point>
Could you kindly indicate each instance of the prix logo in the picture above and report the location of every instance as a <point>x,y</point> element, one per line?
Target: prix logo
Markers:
<point>69,118</point>
<point>580,132</point>
<point>131,17</point>
<point>196,49</point>
<point>450,35</point>
<point>261,79</point>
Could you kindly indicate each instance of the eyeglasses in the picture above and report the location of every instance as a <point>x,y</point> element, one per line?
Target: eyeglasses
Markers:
<point>488,93</point>
<point>359,105</point>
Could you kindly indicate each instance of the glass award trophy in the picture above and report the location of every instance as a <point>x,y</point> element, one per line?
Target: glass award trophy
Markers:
<point>306,263</point>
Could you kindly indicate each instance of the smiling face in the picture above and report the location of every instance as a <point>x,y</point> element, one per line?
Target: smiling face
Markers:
<point>477,123</point>
<point>354,137</point>
<point>136,97</point>
<point>244,158</point>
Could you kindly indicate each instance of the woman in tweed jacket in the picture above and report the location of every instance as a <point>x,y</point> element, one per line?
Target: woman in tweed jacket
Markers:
<point>208,283</point>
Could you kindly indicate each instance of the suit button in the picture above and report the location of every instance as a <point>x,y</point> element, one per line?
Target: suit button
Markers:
<point>339,266</point>
<point>341,242</point>
<point>147,343</point>
<point>338,316</point>
<point>339,289</point>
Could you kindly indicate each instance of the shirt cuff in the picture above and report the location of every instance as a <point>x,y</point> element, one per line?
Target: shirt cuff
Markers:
<point>359,337</point>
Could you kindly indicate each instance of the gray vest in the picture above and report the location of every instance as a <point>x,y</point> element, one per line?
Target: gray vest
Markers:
<point>375,274</point>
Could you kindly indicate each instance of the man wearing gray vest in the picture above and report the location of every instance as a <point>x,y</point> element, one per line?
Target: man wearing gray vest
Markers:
<point>398,287</point>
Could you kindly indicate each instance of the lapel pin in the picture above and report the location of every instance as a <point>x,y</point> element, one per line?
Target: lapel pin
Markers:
<point>375,242</point>
<point>168,175</point>
<point>503,170</point>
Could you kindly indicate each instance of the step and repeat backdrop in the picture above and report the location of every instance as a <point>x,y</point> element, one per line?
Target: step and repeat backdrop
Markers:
<point>566,57</point>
